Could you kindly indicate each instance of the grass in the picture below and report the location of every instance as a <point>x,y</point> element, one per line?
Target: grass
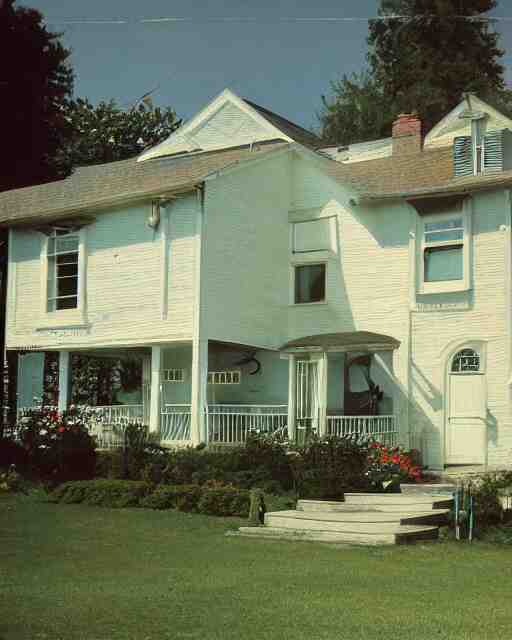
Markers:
<point>70,572</point>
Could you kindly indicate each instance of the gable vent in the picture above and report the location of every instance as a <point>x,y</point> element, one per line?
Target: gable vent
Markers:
<point>493,152</point>
<point>463,156</point>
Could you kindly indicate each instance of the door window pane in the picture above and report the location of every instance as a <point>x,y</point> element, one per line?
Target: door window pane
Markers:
<point>310,283</point>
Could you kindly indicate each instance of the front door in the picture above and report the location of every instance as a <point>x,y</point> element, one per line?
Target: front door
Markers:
<point>467,408</point>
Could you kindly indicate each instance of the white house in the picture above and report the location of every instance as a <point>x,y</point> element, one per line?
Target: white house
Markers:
<point>265,282</point>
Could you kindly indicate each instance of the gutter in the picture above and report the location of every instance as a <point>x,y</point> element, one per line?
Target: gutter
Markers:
<point>450,190</point>
<point>51,215</point>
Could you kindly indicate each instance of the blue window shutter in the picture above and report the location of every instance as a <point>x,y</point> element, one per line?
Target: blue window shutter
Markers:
<point>493,152</point>
<point>463,156</point>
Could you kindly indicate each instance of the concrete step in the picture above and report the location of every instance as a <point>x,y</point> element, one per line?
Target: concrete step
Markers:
<point>392,501</point>
<point>338,522</point>
<point>404,535</point>
<point>352,513</point>
<point>421,489</point>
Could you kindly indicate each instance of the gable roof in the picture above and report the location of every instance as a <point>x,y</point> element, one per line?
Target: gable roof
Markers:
<point>105,185</point>
<point>454,124</point>
<point>294,131</point>
<point>229,121</point>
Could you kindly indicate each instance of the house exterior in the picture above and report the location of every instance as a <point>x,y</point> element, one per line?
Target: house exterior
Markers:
<point>264,282</point>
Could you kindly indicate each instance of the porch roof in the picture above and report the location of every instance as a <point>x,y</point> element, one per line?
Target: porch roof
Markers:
<point>347,341</point>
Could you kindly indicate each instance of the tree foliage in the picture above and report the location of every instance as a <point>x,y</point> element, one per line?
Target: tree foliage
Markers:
<point>36,84</point>
<point>359,111</point>
<point>422,60</point>
<point>105,132</point>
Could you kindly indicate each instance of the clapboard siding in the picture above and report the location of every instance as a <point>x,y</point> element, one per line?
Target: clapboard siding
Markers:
<point>123,281</point>
<point>246,254</point>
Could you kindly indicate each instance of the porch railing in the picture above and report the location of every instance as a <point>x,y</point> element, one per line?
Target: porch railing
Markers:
<point>175,422</point>
<point>231,423</point>
<point>382,428</point>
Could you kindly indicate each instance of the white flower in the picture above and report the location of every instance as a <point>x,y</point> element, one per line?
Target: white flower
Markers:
<point>43,432</point>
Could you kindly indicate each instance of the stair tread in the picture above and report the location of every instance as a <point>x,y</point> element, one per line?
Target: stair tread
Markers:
<point>357,516</point>
<point>399,497</point>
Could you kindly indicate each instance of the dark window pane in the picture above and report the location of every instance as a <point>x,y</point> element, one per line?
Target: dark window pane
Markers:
<point>67,286</point>
<point>67,303</point>
<point>64,270</point>
<point>310,283</point>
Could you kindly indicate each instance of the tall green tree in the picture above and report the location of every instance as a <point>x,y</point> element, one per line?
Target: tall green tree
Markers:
<point>423,55</point>
<point>358,111</point>
<point>105,132</point>
<point>36,83</point>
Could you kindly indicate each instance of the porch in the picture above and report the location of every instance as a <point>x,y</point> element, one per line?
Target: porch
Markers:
<point>334,384</point>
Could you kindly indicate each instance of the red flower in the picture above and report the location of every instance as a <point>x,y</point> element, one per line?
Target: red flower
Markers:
<point>61,429</point>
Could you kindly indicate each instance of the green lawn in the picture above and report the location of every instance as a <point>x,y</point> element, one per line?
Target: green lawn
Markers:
<point>76,572</point>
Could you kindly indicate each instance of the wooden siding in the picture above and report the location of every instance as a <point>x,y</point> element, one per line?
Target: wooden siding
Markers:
<point>124,278</point>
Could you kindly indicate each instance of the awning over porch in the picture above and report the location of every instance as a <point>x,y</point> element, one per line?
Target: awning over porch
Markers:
<point>346,341</point>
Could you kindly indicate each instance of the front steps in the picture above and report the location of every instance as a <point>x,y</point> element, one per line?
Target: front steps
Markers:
<point>364,518</point>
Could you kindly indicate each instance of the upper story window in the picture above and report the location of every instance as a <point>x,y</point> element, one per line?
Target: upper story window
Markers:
<point>309,283</point>
<point>63,271</point>
<point>444,252</point>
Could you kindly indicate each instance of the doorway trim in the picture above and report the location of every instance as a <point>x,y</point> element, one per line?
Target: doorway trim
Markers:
<point>480,346</point>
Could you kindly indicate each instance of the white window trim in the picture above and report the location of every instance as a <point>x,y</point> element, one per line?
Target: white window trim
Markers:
<point>446,286</point>
<point>313,260</point>
<point>64,316</point>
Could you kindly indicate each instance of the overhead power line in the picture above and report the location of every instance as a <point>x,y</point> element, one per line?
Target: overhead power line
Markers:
<point>259,20</point>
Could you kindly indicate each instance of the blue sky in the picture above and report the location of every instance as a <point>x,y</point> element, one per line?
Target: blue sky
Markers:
<point>285,66</point>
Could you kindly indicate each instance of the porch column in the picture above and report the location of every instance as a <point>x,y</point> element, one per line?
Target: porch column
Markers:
<point>292,396</point>
<point>64,380</point>
<point>198,424</point>
<point>156,390</point>
<point>146,388</point>
<point>322,395</point>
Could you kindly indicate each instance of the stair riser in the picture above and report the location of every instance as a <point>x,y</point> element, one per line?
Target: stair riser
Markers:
<point>400,504</point>
<point>326,525</point>
<point>318,536</point>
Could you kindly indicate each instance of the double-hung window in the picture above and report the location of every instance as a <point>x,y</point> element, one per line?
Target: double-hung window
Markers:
<point>444,259</point>
<point>312,243</point>
<point>63,251</point>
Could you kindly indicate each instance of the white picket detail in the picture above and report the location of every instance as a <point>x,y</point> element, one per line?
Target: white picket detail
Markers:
<point>231,424</point>
<point>175,422</point>
<point>382,428</point>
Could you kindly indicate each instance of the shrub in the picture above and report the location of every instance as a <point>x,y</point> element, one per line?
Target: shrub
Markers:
<point>58,445</point>
<point>223,500</point>
<point>324,468</point>
<point>183,497</point>
<point>104,493</point>
<point>12,453</point>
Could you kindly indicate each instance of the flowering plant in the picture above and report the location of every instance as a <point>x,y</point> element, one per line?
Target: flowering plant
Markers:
<point>390,465</point>
<point>58,444</point>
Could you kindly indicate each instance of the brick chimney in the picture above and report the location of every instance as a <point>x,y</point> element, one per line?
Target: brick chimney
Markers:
<point>406,134</point>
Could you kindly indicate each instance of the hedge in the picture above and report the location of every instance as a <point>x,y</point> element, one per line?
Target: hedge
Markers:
<point>211,499</point>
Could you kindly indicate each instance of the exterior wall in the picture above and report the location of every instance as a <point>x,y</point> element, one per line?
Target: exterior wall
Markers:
<point>371,286</point>
<point>245,276</point>
<point>129,297</point>
<point>481,314</point>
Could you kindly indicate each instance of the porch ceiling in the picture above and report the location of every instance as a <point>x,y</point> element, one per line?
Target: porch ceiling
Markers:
<point>347,341</point>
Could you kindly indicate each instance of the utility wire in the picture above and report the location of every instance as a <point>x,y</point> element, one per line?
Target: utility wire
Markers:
<point>283,19</point>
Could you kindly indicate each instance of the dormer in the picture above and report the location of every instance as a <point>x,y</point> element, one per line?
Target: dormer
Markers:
<point>481,138</point>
